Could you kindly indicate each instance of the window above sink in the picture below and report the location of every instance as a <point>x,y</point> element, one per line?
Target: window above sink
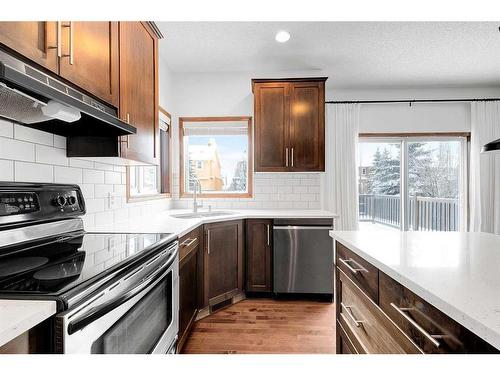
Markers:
<point>217,153</point>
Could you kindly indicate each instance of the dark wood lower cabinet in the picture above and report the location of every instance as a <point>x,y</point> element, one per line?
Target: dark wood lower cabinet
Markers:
<point>190,259</point>
<point>223,261</point>
<point>397,320</point>
<point>259,233</point>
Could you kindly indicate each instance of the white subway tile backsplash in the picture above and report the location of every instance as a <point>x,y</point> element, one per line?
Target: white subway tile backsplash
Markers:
<point>102,166</point>
<point>120,189</point>
<point>24,133</point>
<point>32,172</point>
<point>102,190</point>
<point>301,205</point>
<point>91,176</point>
<point>6,170</point>
<point>300,189</point>
<point>6,129</point>
<point>88,190</point>
<point>79,163</point>
<point>103,218</point>
<point>16,150</point>
<point>112,177</point>
<point>314,205</point>
<point>308,197</point>
<point>67,175</point>
<point>94,205</point>
<point>59,142</point>
<point>30,155</point>
<point>50,155</point>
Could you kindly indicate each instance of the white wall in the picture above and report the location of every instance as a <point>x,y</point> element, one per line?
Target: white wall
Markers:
<point>420,117</point>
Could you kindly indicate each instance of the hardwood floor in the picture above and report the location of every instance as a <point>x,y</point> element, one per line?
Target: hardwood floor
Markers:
<point>266,326</point>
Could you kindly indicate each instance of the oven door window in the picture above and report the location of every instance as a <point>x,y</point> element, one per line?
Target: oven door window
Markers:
<point>140,329</point>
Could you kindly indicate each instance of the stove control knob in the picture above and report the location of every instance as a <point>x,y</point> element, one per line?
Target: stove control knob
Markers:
<point>59,201</point>
<point>71,200</point>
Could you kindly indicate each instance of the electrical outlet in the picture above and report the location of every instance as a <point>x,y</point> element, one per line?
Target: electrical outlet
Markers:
<point>113,199</point>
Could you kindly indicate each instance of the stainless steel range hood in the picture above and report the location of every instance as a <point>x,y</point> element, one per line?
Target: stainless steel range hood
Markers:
<point>33,98</point>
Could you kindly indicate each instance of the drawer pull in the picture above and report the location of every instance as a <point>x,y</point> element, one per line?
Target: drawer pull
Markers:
<point>188,242</point>
<point>351,268</point>
<point>349,313</point>
<point>427,335</point>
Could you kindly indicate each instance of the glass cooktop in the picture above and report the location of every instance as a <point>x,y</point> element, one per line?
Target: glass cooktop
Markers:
<point>59,264</point>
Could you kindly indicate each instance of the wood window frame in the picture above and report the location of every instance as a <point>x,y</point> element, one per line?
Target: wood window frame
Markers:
<point>163,173</point>
<point>248,119</point>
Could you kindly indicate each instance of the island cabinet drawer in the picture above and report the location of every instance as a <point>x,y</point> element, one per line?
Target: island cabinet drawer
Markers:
<point>369,327</point>
<point>345,343</point>
<point>364,275</point>
<point>429,328</point>
<point>189,242</point>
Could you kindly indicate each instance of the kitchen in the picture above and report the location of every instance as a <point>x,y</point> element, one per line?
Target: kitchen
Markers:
<point>165,190</point>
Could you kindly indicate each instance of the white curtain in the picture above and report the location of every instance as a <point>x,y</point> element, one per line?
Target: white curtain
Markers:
<point>340,185</point>
<point>484,198</point>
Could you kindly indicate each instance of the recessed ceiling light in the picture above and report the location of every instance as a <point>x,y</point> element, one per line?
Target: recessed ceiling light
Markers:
<point>282,36</point>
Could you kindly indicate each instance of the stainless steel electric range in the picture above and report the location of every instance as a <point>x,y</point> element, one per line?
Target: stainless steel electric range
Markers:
<point>115,292</point>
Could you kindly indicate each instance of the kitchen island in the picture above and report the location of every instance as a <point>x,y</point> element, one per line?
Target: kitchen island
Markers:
<point>441,289</point>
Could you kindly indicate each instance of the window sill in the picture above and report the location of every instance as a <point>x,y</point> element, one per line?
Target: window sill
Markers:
<point>143,198</point>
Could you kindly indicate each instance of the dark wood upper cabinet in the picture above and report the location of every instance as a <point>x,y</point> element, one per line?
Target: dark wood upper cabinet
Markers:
<point>259,255</point>
<point>223,261</point>
<point>307,126</point>
<point>271,130</point>
<point>90,57</point>
<point>289,124</point>
<point>36,41</point>
<point>139,91</point>
<point>83,53</point>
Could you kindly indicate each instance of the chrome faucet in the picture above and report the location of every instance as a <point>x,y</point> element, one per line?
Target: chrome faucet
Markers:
<point>197,186</point>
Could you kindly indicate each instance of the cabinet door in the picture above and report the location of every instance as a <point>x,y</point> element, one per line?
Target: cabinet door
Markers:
<point>271,127</point>
<point>90,57</point>
<point>259,247</point>
<point>35,40</point>
<point>223,261</point>
<point>307,126</point>
<point>139,91</point>
<point>188,288</point>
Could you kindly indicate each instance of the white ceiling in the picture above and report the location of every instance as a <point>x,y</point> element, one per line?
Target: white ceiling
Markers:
<point>351,54</point>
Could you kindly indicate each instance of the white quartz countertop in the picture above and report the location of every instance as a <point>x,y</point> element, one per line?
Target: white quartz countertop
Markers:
<point>457,272</point>
<point>18,316</point>
<point>164,222</point>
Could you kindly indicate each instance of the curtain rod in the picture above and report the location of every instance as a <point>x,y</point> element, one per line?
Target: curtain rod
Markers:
<point>409,101</point>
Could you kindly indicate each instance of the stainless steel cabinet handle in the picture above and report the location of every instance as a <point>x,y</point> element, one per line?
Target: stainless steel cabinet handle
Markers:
<point>427,335</point>
<point>352,269</point>
<point>188,242</point>
<point>128,118</point>
<point>348,311</point>
<point>268,235</point>
<point>292,156</point>
<point>208,241</point>
<point>70,55</point>
<point>286,157</point>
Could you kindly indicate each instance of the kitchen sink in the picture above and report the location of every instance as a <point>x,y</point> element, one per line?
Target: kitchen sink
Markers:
<point>193,215</point>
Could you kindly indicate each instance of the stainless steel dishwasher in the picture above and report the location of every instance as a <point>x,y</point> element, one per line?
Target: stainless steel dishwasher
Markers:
<point>303,256</point>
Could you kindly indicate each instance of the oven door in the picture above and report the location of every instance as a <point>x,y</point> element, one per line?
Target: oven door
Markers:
<point>143,319</point>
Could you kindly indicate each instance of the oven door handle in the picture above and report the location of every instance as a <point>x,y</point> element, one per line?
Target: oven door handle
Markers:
<point>101,310</point>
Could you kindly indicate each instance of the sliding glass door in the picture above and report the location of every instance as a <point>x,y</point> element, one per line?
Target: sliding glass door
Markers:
<point>410,183</point>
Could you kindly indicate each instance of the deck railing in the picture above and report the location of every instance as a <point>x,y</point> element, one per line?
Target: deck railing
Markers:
<point>423,213</point>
